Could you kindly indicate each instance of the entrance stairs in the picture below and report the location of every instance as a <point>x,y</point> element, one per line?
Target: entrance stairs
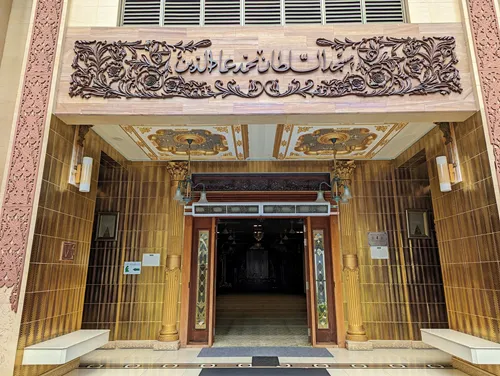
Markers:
<point>261,320</point>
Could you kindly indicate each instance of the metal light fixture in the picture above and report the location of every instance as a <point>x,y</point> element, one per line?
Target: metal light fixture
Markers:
<point>86,175</point>
<point>184,191</point>
<point>339,186</point>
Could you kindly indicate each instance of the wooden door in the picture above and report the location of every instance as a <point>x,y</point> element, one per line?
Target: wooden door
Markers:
<point>200,317</point>
<point>321,281</point>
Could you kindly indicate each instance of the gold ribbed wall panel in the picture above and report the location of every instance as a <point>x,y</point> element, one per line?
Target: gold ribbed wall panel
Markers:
<point>101,304</point>
<point>468,233</point>
<point>395,303</point>
<point>55,290</point>
<point>141,300</point>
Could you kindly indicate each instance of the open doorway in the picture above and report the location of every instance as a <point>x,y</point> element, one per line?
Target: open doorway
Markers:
<point>261,283</point>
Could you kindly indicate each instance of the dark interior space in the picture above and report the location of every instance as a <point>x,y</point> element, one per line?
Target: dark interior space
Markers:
<point>260,256</point>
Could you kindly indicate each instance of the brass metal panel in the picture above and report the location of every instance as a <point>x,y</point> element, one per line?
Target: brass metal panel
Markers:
<point>55,289</point>
<point>468,233</point>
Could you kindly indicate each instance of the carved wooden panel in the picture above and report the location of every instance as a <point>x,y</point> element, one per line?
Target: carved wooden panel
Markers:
<point>221,75</point>
<point>369,67</point>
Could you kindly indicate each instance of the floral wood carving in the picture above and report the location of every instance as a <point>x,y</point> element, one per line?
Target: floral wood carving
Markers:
<point>19,198</point>
<point>377,66</point>
<point>486,35</point>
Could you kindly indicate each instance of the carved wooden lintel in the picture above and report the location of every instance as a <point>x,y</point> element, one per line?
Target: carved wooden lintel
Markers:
<point>372,67</point>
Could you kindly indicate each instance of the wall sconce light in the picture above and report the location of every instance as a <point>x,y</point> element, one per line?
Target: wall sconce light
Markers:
<point>86,175</point>
<point>443,174</point>
<point>448,165</point>
<point>81,167</point>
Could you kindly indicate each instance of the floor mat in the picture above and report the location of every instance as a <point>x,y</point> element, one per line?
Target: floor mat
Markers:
<point>264,372</point>
<point>296,352</point>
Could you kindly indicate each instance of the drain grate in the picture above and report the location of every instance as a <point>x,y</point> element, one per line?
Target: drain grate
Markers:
<point>265,361</point>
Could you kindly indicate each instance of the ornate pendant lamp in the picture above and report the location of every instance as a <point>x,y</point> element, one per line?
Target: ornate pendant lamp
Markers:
<point>339,185</point>
<point>184,192</point>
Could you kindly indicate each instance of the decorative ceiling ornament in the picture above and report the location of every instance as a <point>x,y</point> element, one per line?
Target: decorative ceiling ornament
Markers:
<point>208,142</point>
<point>370,67</point>
<point>339,185</point>
<point>360,141</point>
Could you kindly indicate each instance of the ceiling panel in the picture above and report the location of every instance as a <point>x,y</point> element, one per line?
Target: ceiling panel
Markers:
<point>363,141</point>
<point>211,142</point>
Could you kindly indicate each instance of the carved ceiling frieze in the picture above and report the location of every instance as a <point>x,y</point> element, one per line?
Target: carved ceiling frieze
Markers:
<point>209,142</point>
<point>370,67</point>
<point>314,141</point>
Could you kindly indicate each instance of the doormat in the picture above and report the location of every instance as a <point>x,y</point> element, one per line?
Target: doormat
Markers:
<point>292,352</point>
<point>265,361</point>
<point>263,372</point>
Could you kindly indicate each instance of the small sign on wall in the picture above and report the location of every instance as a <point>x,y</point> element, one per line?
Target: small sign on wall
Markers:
<point>151,259</point>
<point>379,245</point>
<point>68,251</point>
<point>132,267</point>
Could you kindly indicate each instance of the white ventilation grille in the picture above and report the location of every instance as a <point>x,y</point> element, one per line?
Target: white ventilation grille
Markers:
<point>262,12</point>
<point>182,12</point>
<point>259,12</point>
<point>343,11</point>
<point>222,12</point>
<point>303,12</point>
<point>260,209</point>
<point>384,11</point>
<point>142,12</point>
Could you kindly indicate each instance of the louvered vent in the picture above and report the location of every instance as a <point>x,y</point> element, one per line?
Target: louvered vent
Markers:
<point>262,12</point>
<point>303,11</point>
<point>222,12</point>
<point>384,11</point>
<point>142,12</point>
<point>343,11</point>
<point>182,12</point>
<point>259,12</point>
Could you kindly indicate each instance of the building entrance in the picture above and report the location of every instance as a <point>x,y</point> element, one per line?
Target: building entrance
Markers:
<point>261,283</point>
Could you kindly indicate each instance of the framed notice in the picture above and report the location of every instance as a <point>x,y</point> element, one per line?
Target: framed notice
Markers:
<point>417,224</point>
<point>107,226</point>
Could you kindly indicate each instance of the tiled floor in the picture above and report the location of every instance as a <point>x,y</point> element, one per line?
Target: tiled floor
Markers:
<point>344,361</point>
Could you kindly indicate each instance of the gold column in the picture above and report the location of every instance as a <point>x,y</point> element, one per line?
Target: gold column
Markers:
<point>169,332</point>
<point>355,329</point>
<point>347,213</point>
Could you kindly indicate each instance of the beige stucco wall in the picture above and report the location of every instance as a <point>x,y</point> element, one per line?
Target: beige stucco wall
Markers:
<point>107,12</point>
<point>93,12</point>
<point>5,6</point>
<point>432,11</point>
<point>10,70</point>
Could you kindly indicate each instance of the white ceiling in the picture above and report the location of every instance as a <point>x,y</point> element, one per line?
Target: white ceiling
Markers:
<point>260,141</point>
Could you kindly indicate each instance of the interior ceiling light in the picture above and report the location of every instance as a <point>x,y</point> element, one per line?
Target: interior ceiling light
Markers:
<point>339,185</point>
<point>184,192</point>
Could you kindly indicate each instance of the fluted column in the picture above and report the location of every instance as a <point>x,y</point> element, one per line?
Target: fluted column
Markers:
<point>169,332</point>
<point>355,329</point>
<point>347,213</point>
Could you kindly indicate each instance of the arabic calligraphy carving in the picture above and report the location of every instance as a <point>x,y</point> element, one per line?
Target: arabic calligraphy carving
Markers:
<point>378,66</point>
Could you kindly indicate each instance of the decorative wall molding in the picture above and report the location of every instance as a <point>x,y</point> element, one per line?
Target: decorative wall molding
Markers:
<point>486,35</point>
<point>177,170</point>
<point>22,174</point>
<point>371,67</point>
<point>261,182</point>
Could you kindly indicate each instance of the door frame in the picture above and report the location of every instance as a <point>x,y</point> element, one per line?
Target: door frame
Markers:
<point>336,269</point>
